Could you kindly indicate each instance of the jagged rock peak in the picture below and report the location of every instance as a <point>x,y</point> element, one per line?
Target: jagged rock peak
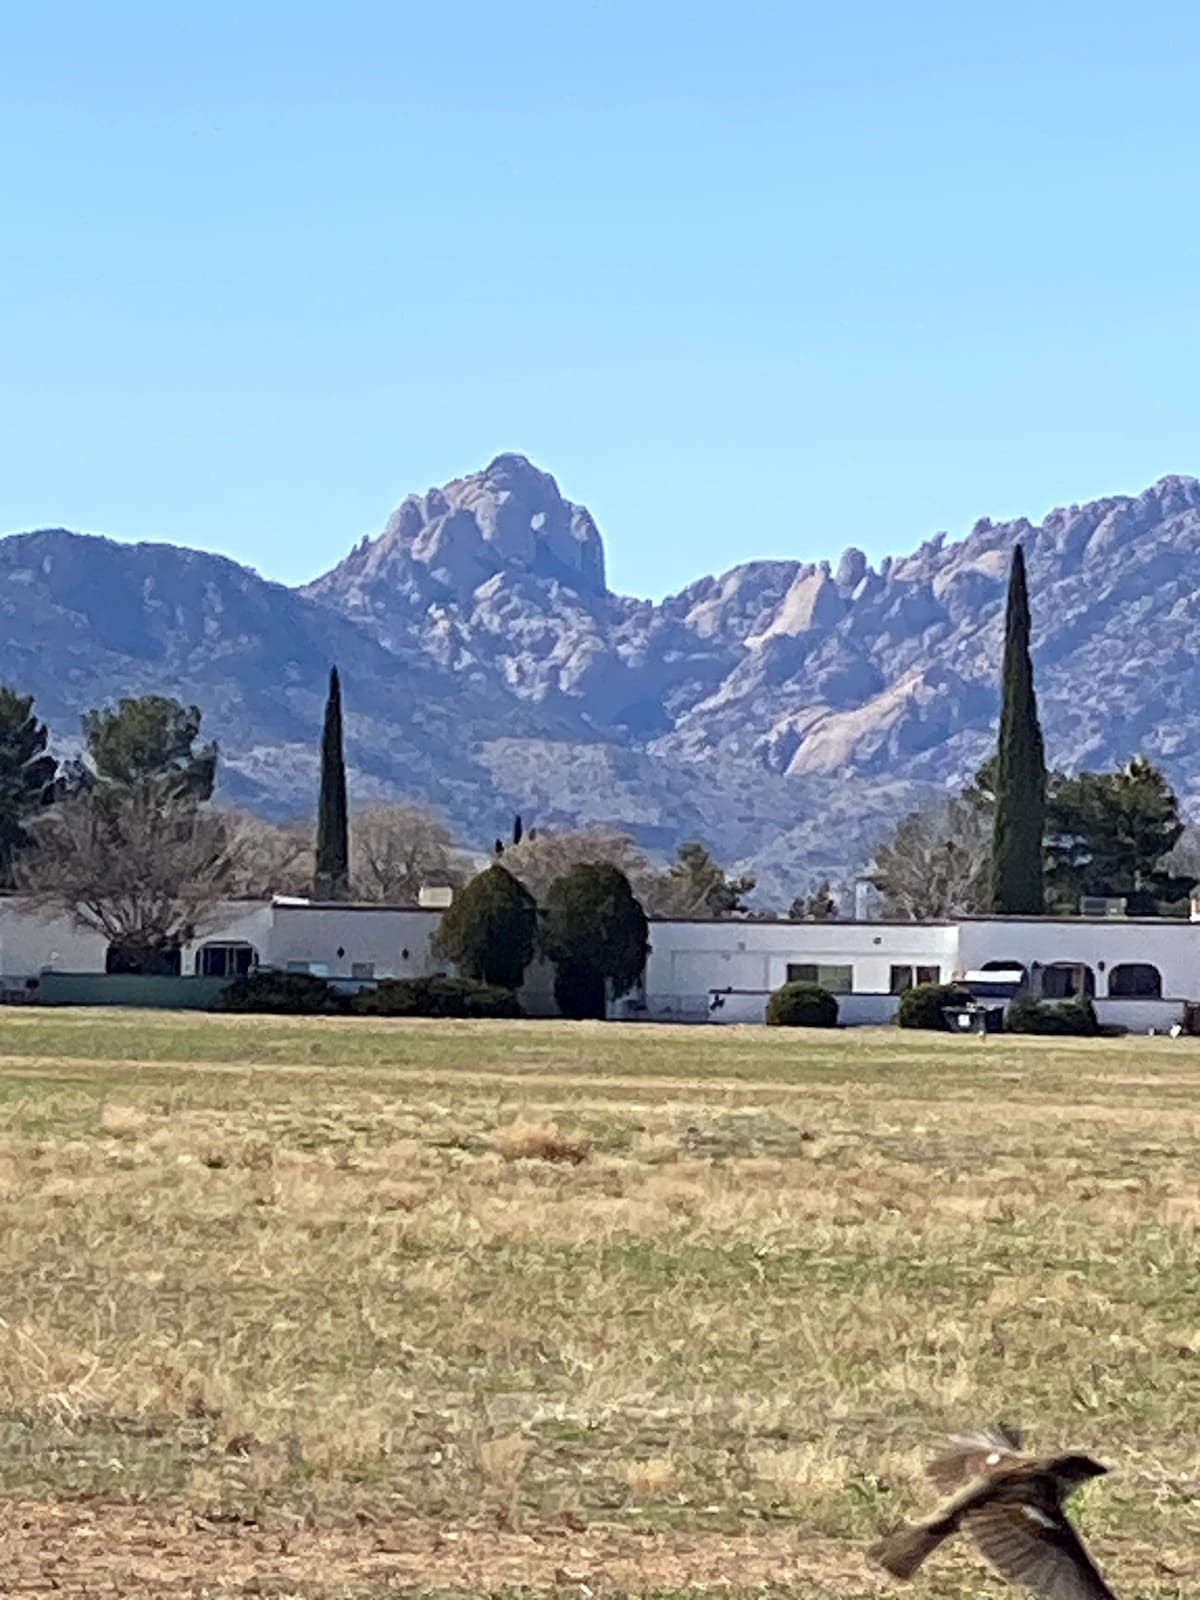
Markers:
<point>851,568</point>
<point>509,516</point>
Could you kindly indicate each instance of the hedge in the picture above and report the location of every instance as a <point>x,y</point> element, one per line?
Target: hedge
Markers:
<point>802,1005</point>
<point>1064,1018</point>
<point>924,1005</point>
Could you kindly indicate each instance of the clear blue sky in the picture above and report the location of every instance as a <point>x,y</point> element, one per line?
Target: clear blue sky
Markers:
<point>750,279</point>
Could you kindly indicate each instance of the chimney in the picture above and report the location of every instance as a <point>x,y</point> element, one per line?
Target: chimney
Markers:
<point>864,899</point>
<point>434,896</point>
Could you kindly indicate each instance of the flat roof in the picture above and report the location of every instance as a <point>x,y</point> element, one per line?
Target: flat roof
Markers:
<point>288,903</point>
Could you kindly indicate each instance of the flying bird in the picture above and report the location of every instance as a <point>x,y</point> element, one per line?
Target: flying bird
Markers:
<point>1011,1504</point>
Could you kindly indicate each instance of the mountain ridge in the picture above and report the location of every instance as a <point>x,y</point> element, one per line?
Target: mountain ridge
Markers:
<point>785,711</point>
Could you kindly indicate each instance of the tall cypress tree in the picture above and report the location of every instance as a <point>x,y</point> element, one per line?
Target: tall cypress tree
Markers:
<point>332,877</point>
<point>1017,882</point>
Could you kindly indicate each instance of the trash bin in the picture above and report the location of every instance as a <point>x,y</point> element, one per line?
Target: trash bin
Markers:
<point>974,1019</point>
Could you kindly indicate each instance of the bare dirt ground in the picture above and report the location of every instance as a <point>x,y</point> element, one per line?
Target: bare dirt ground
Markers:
<point>101,1548</point>
<point>98,1548</point>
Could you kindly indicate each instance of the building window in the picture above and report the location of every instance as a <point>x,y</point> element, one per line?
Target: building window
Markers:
<point>838,980</point>
<point>1135,980</point>
<point>904,977</point>
<point>1067,980</point>
<point>225,960</point>
<point>362,969</point>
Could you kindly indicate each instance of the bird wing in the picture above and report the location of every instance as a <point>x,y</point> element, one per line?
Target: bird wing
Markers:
<point>971,1455</point>
<point>1036,1546</point>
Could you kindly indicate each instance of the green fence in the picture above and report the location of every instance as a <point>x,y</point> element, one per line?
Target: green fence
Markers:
<point>127,989</point>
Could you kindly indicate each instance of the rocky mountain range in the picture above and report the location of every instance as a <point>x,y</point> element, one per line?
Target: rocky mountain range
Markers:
<point>784,712</point>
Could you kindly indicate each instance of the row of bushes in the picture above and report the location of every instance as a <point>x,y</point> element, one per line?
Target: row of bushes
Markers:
<point>305,994</point>
<point>1066,1018</point>
<point>925,1006</point>
<point>807,1005</point>
<point>794,1005</point>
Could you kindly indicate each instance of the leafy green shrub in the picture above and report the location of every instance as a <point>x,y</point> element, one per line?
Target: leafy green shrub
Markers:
<point>490,929</point>
<point>1064,1018</point>
<point>802,1005</point>
<point>282,993</point>
<point>435,997</point>
<point>923,1005</point>
<point>491,1000</point>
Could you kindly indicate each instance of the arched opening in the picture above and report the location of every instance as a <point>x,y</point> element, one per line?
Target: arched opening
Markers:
<point>1067,980</point>
<point>225,958</point>
<point>1135,980</point>
<point>1006,966</point>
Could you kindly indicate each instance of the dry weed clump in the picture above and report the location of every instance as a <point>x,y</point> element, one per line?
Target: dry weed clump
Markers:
<point>540,1141</point>
<point>501,1465</point>
<point>652,1478</point>
<point>809,1475</point>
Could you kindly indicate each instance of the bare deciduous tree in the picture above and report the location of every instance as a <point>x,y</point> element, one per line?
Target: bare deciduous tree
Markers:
<point>145,871</point>
<point>936,863</point>
<point>270,858</point>
<point>539,859</point>
<point>395,849</point>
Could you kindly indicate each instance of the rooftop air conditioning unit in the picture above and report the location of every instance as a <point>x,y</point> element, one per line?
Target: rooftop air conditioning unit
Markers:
<point>1101,905</point>
<point>434,896</point>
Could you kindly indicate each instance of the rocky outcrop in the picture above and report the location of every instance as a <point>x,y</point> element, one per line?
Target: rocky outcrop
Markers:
<point>488,668</point>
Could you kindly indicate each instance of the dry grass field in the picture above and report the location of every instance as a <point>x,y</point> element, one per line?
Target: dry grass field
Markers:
<point>343,1308</point>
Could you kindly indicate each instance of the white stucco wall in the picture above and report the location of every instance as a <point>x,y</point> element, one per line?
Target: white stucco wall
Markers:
<point>854,1010</point>
<point>241,921</point>
<point>1168,943</point>
<point>688,960</point>
<point>31,939</point>
<point>395,943</point>
<point>1140,1016</point>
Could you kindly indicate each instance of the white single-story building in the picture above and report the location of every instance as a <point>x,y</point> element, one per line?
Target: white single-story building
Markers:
<point>1142,972</point>
<point>335,939</point>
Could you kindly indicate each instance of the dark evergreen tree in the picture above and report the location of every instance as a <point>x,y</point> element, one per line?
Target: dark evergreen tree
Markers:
<point>148,743</point>
<point>595,932</point>
<point>518,830</point>
<point>26,775</point>
<point>1020,819</point>
<point>1111,833</point>
<point>490,929</point>
<point>332,878</point>
<point>695,885</point>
